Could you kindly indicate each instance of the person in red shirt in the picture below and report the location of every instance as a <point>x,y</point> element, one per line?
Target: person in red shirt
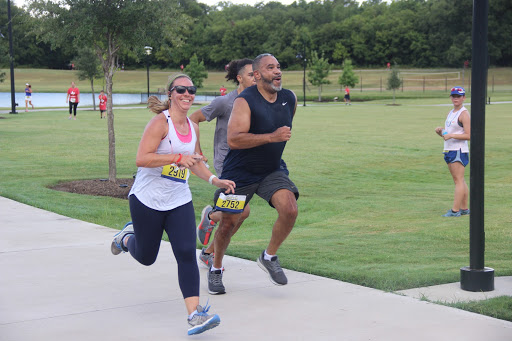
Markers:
<point>223,90</point>
<point>73,97</point>
<point>347,96</point>
<point>103,104</point>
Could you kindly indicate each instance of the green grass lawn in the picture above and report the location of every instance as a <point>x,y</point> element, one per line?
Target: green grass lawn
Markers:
<point>497,307</point>
<point>372,180</point>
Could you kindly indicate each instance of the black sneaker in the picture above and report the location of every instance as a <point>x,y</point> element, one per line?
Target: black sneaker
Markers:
<point>215,286</point>
<point>273,268</point>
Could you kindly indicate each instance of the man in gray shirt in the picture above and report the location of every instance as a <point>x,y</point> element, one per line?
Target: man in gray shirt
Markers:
<point>240,72</point>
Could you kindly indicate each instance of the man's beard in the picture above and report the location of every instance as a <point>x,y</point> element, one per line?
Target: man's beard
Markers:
<point>271,83</point>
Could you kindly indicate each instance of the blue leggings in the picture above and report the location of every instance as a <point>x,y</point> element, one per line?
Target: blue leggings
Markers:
<point>180,226</point>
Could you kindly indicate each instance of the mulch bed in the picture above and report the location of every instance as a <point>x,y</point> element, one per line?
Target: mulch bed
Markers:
<point>102,187</point>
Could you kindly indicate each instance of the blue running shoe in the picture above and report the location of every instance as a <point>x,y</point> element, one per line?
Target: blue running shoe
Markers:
<point>117,245</point>
<point>450,213</point>
<point>201,321</point>
<point>464,212</point>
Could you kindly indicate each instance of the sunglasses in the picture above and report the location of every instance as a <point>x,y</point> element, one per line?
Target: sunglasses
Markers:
<point>181,89</point>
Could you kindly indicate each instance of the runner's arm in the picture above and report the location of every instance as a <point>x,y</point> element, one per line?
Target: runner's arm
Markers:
<point>240,123</point>
<point>198,117</point>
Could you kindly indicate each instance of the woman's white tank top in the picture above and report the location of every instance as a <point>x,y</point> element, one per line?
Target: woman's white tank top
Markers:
<point>451,126</point>
<point>156,190</point>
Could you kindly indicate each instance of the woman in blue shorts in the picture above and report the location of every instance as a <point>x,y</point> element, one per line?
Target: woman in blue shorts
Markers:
<point>456,134</point>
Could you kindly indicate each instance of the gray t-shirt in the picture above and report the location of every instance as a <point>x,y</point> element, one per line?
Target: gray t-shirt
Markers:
<point>220,108</point>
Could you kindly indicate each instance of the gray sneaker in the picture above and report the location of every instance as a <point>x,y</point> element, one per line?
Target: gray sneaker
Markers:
<point>215,286</point>
<point>117,245</point>
<point>205,227</point>
<point>201,321</point>
<point>206,258</point>
<point>273,268</point>
<point>464,212</point>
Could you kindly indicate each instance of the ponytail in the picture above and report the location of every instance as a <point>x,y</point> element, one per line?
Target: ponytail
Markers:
<point>156,105</point>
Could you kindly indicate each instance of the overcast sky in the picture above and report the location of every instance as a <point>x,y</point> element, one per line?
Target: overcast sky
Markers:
<point>248,2</point>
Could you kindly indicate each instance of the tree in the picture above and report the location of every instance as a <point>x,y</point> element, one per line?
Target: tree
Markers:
<point>4,58</point>
<point>196,71</point>
<point>108,27</point>
<point>340,52</point>
<point>394,82</point>
<point>348,77</point>
<point>320,69</point>
<point>88,68</point>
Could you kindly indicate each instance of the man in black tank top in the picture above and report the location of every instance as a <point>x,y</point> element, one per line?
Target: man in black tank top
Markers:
<point>259,127</point>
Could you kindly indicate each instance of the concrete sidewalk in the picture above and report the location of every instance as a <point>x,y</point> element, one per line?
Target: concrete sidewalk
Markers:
<point>59,281</point>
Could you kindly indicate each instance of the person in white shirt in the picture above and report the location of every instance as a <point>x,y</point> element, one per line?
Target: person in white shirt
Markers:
<point>456,134</point>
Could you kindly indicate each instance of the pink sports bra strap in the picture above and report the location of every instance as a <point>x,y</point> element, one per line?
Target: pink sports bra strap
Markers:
<point>185,138</point>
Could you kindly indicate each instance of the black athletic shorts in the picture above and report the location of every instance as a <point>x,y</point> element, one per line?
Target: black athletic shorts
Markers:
<point>264,189</point>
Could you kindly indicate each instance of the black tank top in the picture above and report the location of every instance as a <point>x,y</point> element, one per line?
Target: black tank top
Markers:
<point>248,166</point>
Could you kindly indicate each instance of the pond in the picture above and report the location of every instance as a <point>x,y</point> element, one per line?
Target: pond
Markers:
<point>58,99</point>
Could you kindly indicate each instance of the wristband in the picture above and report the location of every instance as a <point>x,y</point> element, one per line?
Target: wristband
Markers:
<point>210,180</point>
<point>179,158</point>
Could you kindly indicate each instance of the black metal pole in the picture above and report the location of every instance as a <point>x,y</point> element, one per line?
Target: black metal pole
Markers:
<point>304,77</point>
<point>11,57</point>
<point>147,63</point>
<point>477,277</point>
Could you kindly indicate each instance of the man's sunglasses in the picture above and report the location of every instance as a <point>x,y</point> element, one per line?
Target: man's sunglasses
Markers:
<point>181,89</point>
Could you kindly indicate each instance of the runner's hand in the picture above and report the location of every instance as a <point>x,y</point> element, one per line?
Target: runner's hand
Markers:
<point>281,134</point>
<point>227,184</point>
<point>188,161</point>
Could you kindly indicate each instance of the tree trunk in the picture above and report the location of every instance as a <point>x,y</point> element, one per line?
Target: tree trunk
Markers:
<point>108,63</point>
<point>393,96</point>
<point>320,93</point>
<point>112,170</point>
<point>93,99</point>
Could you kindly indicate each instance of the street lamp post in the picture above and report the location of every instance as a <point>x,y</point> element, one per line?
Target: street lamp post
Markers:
<point>11,57</point>
<point>148,52</point>
<point>304,60</point>
<point>304,77</point>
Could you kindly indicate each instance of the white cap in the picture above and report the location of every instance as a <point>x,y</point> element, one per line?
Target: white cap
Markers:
<point>27,84</point>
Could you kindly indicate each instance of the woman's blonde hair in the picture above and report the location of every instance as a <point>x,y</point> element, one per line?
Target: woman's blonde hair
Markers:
<point>155,104</point>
